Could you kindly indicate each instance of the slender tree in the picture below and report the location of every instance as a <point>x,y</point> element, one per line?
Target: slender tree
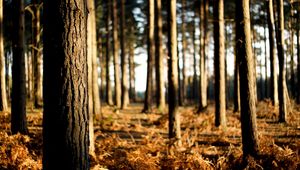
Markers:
<point>219,63</point>
<point>245,60</point>
<point>273,77</point>
<point>124,61</point>
<point>174,117</point>
<point>66,113</point>
<point>282,89</point>
<point>236,100</point>
<point>184,47</point>
<point>159,57</point>
<point>116,55</point>
<point>3,97</point>
<point>108,54</point>
<point>131,43</point>
<point>18,103</point>
<point>151,53</point>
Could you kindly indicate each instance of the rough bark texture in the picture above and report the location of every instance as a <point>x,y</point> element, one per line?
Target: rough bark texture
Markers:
<point>109,99</point>
<point>174,116</point>
<point>273,77</point>
<point>151,53</point>
<point>159,57</point>
<point>202,64</point>
<point>219,63</point>
<point>3,97</point>
<point>18,103</point>
<point>36,54</point>
<point>124,61</point>
<point>245,60</point>
<point>282,88</point>
<point>66,114</point>
<point>116,55</point>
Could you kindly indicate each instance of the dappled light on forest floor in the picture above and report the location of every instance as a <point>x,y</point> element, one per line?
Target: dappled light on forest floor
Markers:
<point>130,139</point>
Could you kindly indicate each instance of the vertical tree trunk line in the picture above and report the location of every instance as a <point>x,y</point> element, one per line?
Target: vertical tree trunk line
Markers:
<point>116,55</point>
<point>151,53</point>
<point>245,59</point>
<point>132,67</point>
<point>66,114</point>
<point>18,103</point>
<point>219,63</point>
<point>184,47</point>
<point>273,77</point>
<point>159,57</point>
<point>3,96</point>
<point>174,117</point>
<point>124,61</point>
<point>108,54</point>
<point>282,88</point>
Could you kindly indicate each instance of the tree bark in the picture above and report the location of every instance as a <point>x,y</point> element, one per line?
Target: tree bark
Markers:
<point>273,77</point>
<point>266,64</point>
<point>291,23</point>
<point>116,55</point>
<point>151,53</point>
<point>18,103</point>
<point>237,101</point>
<point>159,57</point>
<point>36,54</point>
<point>245,60</point>
<point>202,64</point>
<point>282,92</point>
<point>184,46</point>
<point>66,113</point>
<point>174,116</point>
<point>219,62</point>
<point>124,61</point>
<point>108,54</point>
<point>298,62</point>
<point>3,97</point>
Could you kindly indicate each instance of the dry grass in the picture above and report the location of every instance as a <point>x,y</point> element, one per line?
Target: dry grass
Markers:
<point>129,139</point>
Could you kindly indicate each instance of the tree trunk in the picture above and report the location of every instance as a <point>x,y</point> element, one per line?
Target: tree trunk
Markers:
<point>203,40</point>
<point>18,103</point>
<point>7,77</point>
<point>219,62</point>
<point>237,101</point>
<point>151,53</point>
<point>159,57</point>
<point>298,62</point>
<point>283,98</point>
<point>3,97</point>
<point>273,77</point>
<point>291,23</point>
<point>36,54</point>
<point>124,61</point>
<point>195,81</point>
<point>245,59</point>
<point>102,67</point>
<point>174,117</point>
<point>116,56</point>
<point>266,64</point>
<point>184,46</point>
<point>108,54</point>
<point>66,113</point>
<point>132,93</point>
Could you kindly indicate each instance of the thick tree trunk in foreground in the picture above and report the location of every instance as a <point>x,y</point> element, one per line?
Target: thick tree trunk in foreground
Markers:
<point>273,77</point>
<point>219,63</point>
<point>174,117</point>
<point>247,97</point>
<point>282,88</point>
<point>124,61</point>
<point>109,99</point>
<point>151,53</point>
<point>116,56</point>
<point>3,97</point>
<point>159,57</point>
<point>66,113</point>
<point>18,103</point>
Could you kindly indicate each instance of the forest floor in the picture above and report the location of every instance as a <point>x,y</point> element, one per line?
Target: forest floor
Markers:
<point>129,139</point>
